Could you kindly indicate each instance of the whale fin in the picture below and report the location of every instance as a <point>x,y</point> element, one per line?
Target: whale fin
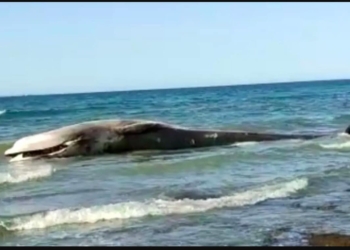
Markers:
<point>142,127</point>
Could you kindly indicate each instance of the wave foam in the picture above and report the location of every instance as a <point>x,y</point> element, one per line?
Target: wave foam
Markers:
<point>343,134</point>
<point>23,176</point>
<point>339,145</point>
<point>244,144</point>
<point>2,112</point>
<point>156,207</point>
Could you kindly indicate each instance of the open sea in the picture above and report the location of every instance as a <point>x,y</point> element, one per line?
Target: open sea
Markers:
<point>268,193</point>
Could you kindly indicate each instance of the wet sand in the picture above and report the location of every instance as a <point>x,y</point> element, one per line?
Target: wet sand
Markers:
<point>329,240</point>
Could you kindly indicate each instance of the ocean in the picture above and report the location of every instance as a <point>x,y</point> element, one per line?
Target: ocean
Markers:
<point>268,193</point>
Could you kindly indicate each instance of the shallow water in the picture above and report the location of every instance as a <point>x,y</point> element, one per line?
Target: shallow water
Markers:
<point>247,194</point>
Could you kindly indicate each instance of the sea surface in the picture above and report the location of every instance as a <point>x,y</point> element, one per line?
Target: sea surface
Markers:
<point>268,193</point>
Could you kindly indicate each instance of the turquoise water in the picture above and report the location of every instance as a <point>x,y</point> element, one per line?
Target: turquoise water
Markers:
<point>247,194</point>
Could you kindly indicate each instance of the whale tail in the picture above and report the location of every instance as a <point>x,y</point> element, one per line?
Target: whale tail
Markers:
<point>347,130</point>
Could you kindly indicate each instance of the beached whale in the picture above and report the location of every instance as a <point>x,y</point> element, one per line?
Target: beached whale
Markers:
<point>120,136</point>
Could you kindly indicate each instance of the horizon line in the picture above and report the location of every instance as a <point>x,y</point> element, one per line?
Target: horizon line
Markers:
<point>176,88</point>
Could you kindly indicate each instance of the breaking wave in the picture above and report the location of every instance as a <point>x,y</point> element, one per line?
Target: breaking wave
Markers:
<point>245,144</point>
<point>156,207</point>
<point>344,142</point>
<point>22,175</point>
<point>339,145</point>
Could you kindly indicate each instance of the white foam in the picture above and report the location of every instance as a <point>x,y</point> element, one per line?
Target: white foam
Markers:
<point>244,144</point>
<point>157,207</point>
<point>343,134</point>
<point>2,112</point>
<point>23,175</point>
<point>343,144</point>
<point>339,145</point>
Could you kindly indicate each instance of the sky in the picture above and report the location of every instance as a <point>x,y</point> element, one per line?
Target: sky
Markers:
<point>90,47</point>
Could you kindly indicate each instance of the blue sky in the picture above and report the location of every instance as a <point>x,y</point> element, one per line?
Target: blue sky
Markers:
<point>85,47</point>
